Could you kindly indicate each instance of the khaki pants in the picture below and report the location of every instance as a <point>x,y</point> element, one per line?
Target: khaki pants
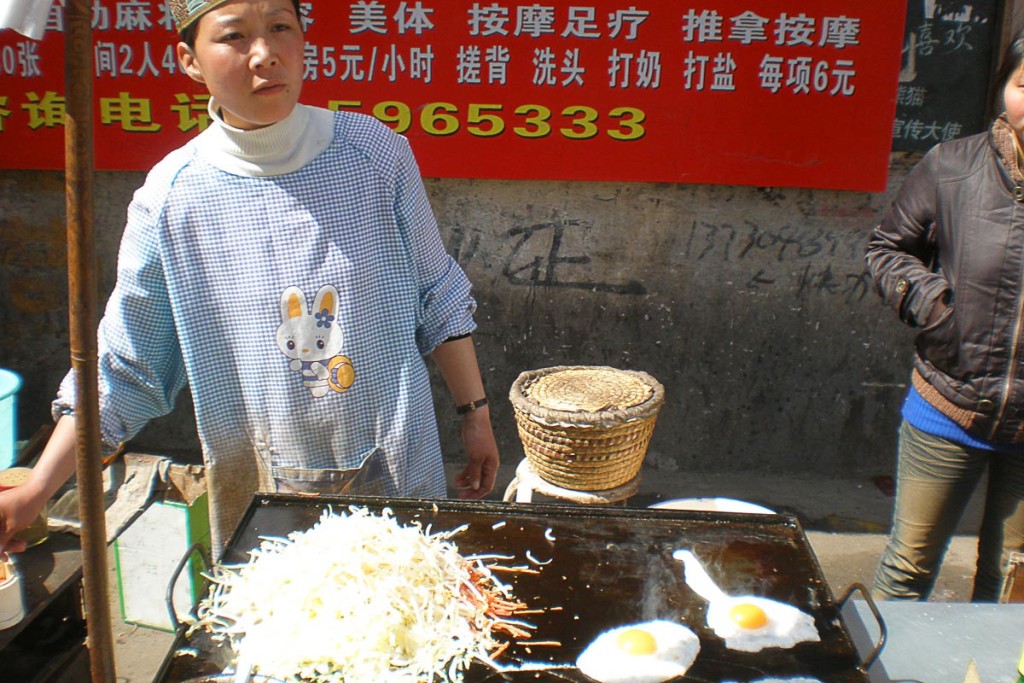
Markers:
<point>935,481</point>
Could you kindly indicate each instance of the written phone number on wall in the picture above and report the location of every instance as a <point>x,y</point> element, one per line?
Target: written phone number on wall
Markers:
<point>575,122</point>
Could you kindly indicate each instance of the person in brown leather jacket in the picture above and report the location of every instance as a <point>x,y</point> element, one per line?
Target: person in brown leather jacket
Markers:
<point>948,256</point>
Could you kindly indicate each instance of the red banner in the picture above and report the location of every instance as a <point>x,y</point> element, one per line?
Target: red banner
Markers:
<point>772,93</point>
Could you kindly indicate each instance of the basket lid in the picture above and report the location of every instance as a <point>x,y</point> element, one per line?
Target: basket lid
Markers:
<point>587,394</point>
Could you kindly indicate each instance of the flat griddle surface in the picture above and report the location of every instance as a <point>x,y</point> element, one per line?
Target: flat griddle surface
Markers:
<point>607,567</point>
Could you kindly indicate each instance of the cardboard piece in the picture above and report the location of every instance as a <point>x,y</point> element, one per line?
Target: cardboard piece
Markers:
<point>151,547</point>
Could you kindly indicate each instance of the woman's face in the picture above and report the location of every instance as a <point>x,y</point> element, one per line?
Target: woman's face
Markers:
<point>1013,100</point>
<point>249,55</point>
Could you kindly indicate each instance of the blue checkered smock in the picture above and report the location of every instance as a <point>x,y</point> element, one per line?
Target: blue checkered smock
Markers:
<point>206,260</point>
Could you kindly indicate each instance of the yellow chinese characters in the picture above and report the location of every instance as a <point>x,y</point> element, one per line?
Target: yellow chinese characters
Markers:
<point>134,114</point>
<point>47,110</point>
<point>191,111</point>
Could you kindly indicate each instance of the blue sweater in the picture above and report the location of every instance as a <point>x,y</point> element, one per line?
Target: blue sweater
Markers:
<point>927,418</point>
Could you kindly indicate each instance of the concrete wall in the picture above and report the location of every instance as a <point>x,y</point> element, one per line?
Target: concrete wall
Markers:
<point>751,305</point>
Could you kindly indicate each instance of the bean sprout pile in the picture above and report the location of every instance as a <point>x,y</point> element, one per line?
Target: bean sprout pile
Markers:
<point>360,598</point>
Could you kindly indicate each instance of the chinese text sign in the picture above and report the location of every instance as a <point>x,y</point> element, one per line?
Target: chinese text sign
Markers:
<point>944,79</point>
<point>773,93</point>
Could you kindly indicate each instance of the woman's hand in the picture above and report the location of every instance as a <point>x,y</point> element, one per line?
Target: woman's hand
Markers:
<point>938,310</point>
<point>17,511</point>
<point>477,479</point>
<point>456,359</point>
<point>20,506</point>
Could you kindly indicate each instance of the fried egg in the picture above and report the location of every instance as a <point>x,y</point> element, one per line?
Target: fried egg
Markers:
<point>747,623</point>
<point>750,624</point>
<point>646,652</point>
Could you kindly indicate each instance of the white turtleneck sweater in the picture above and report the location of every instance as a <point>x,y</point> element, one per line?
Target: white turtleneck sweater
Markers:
<point>294,277</point>
<point>283,147</point>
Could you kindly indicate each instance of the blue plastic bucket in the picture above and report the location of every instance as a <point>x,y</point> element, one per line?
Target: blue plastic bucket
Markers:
<point>9,385</point>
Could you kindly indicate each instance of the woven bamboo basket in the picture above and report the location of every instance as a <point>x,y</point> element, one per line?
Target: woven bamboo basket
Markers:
<point>586,428</point>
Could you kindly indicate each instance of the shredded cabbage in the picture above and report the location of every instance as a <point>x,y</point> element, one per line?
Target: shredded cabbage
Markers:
<point>358,598</point>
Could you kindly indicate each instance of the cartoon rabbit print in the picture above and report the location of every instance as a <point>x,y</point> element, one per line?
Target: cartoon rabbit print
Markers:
<point>313,341</point>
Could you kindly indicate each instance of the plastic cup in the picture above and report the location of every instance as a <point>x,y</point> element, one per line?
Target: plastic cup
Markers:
<point>12,595</point>
<point>10,383</point>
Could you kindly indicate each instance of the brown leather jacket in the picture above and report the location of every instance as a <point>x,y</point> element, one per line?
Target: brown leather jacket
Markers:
<point>955,233</point>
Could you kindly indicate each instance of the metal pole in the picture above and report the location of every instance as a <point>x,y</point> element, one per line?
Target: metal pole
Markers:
<point>78,160</point>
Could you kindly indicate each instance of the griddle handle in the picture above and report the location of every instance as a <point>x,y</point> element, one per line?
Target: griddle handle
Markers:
<point>882,631</point>
<point>169,597</point>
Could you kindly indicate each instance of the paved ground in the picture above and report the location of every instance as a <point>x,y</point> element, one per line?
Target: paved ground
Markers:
<point>845,522</point>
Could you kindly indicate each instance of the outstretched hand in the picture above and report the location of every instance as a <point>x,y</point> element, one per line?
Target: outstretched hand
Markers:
<point>21,505</point>
<point>12,520</point>
<point>477,479</point>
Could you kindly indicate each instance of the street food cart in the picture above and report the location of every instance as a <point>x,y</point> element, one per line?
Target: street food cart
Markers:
<point>597,568</point>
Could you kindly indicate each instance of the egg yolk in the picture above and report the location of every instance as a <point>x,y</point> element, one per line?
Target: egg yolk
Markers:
<point>636,641</point>
<point>748,616</point>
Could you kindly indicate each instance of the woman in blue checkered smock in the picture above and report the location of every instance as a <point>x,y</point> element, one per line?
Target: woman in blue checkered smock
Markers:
<point>286,265</point>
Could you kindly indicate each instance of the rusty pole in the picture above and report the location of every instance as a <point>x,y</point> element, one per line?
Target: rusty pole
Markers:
<point>78,163</point>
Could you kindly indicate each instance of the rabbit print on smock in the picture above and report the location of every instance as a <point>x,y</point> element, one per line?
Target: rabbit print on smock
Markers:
<point>312,340</point>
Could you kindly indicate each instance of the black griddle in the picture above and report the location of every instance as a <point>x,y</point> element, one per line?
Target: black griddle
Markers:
<point>609,566</point>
